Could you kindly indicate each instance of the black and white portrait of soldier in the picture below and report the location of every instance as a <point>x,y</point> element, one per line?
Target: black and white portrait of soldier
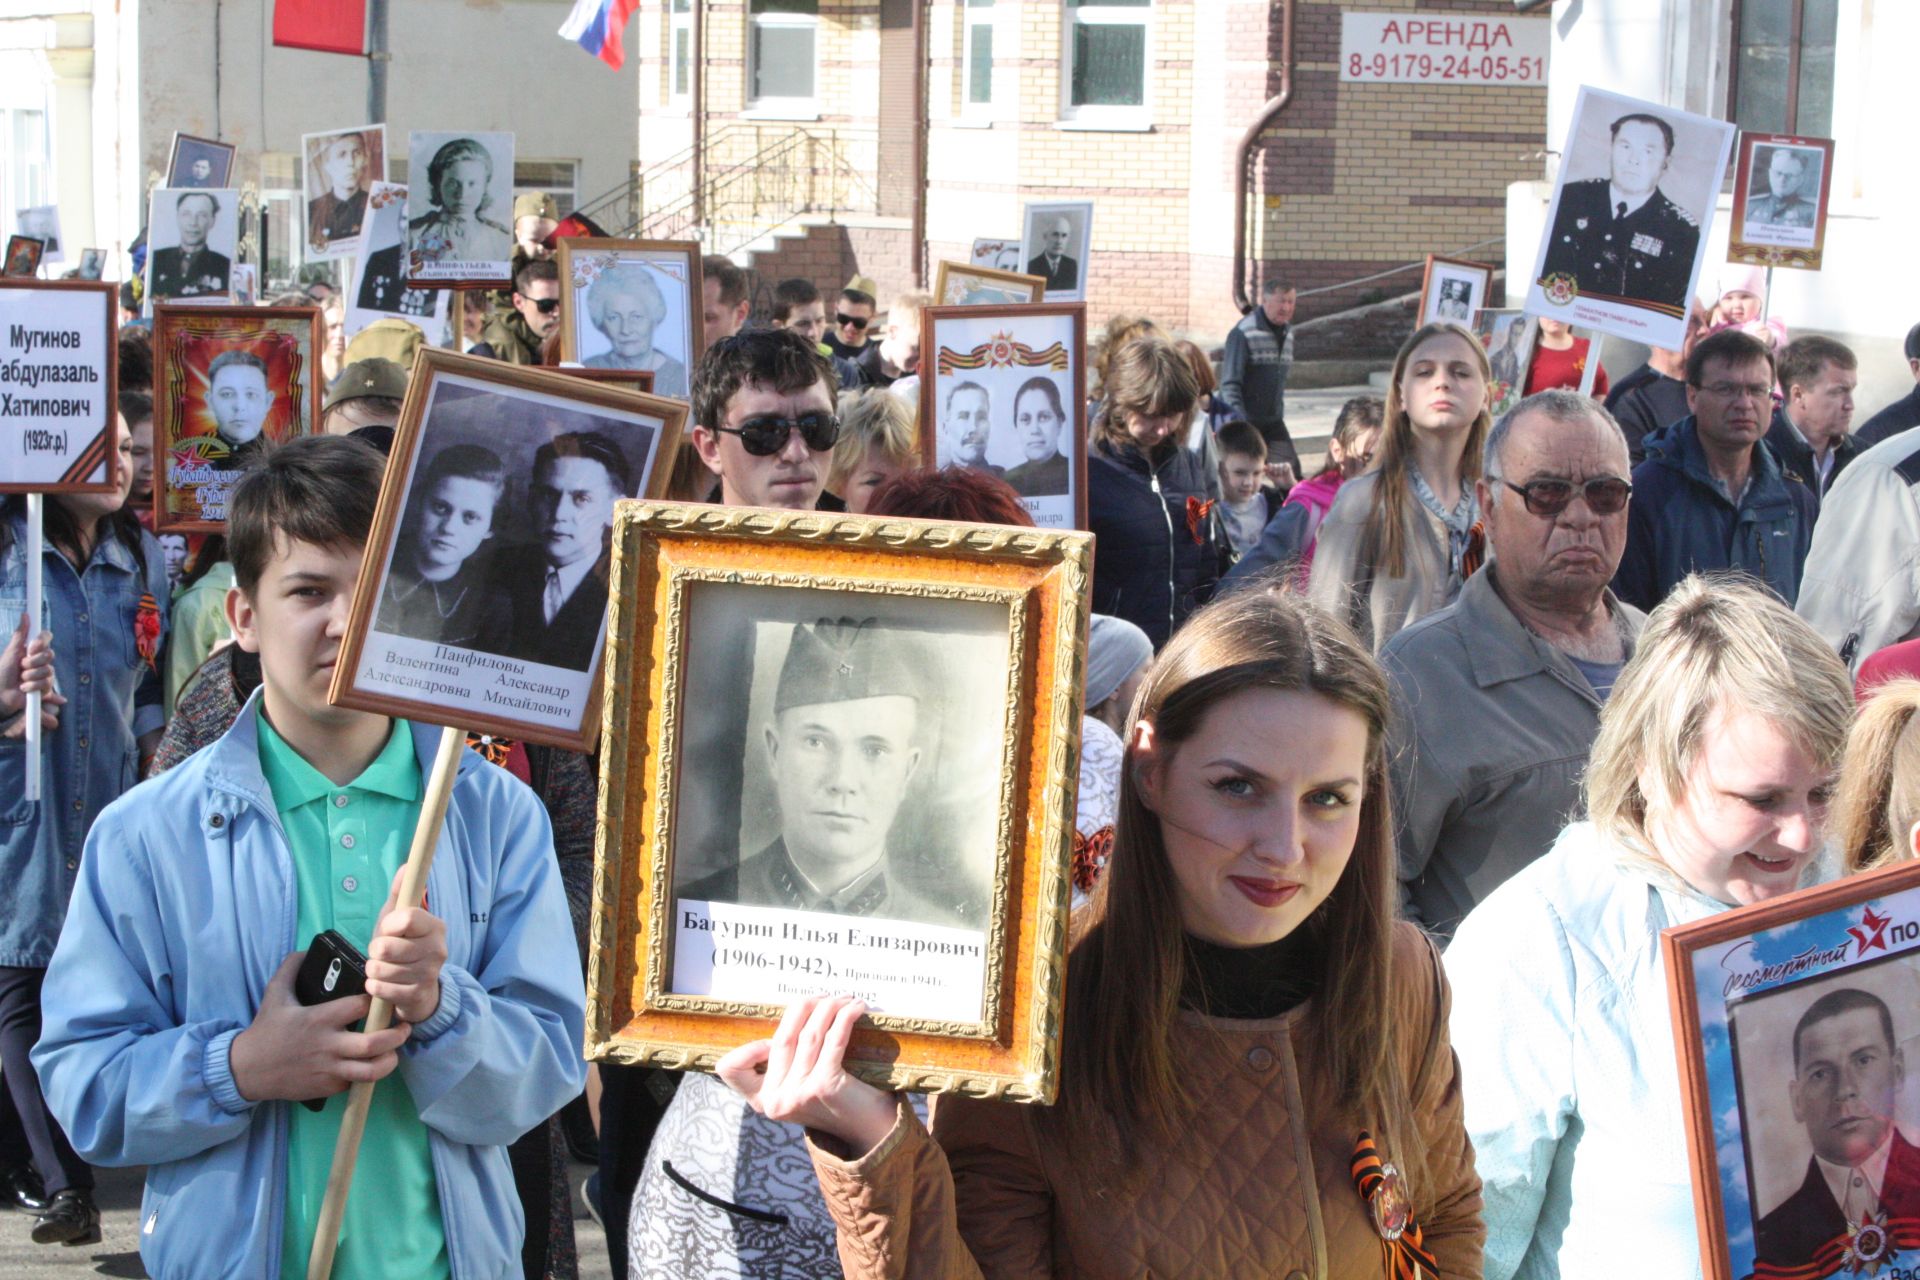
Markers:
<point>42,222</point>
<point>240,397</point>
<point>556,586</point>
<point>340,169</point>
<point>1055,245</point>
<point>381,289</point>
<point>455,217</point>
<point>965,427</point>
<point>1787,190</point>
<point>192,234</point>
<point>631,322</point>
<point>842,747</point>
<point>1455,301</point>
<point>1621,236</point>
<point>1848,1071</point>
<point>1038,417</point>
<point>439,587</point>
<point>199,163</point>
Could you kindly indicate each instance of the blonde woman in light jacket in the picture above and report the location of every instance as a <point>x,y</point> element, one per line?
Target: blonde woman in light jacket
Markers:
<point>1708,789</point>
<point>1395,547</point>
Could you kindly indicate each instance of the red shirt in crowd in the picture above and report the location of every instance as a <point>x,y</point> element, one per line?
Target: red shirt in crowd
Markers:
<point>1551,369</point>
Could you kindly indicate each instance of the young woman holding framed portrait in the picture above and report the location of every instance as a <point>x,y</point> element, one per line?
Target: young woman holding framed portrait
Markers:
<point>1258,1077</point>
<point>1707,789</point>
<point>1400,538</point>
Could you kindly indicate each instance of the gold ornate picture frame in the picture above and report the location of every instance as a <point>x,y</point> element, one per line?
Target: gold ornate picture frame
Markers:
<point>966,284</point>
<point>742,642</point>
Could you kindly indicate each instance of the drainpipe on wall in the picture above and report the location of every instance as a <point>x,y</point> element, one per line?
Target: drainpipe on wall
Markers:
<point>699,105</point>
<point>918,235</point>
<point>1243,157</point>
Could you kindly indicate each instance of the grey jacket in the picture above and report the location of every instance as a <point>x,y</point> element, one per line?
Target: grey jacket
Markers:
<point>1491,730</point>
<point>1346,584</point>
<point>1254,367</point>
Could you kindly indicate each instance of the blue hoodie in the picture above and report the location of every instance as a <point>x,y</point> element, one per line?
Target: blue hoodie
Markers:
<point>1680,522</point>
<point>183,911</point>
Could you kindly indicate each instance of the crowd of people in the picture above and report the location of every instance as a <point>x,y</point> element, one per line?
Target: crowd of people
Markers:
<point>1391,774</point>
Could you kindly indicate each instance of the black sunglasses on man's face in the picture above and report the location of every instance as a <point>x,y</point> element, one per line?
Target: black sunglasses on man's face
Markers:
<point>850,322</point>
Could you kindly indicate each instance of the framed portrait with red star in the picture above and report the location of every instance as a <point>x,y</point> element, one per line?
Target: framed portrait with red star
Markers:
<point>1794,1020</point>
<point>229,384</point>
<point>1003,390</point>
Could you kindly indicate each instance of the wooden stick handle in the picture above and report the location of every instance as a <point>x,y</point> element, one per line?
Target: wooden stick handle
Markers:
<point>36,573</point>
<point>413,883</point>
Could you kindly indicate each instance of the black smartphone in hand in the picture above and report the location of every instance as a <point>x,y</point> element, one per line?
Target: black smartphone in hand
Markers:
<point>333,970</point>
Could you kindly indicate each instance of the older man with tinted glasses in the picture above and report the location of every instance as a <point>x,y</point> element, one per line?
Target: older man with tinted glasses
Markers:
<point>1498,696</point>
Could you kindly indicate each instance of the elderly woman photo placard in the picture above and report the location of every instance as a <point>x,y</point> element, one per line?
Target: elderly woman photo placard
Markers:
<point>459,208</point>
<point>629,304</point>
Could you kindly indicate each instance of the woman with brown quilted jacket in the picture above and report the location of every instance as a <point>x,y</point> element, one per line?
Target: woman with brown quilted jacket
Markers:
<point>1257,1080</point>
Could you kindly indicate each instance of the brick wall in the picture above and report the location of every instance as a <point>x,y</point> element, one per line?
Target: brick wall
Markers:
<point>831,255</point>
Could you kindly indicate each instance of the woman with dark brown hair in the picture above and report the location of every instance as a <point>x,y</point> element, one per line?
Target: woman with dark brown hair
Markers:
<point>1257,1079</point>
<point>1401,537</point>
<point>1150,499</point>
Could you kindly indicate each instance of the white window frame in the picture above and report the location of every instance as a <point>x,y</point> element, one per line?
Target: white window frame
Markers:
<point>1102,116</point>
<point>806,108</point>
<point>571,190</point>
<point>975,14</point>
<point>679,21</point>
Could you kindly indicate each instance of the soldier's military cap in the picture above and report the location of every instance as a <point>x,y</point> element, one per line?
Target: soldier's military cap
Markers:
<point>842,659</point>
<point>374,376</point>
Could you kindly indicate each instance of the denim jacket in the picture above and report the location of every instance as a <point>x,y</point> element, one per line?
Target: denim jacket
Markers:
<point>113,696</point>
<point>184,910</point>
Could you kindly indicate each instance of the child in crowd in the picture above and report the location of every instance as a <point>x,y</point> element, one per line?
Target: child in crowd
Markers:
<point>1349,452</point>
<point>173,1037</point>
<point>1243,464</point>
<point>1742,303</point>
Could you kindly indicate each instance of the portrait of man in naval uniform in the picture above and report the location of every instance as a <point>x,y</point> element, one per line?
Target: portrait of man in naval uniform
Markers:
<point>850,717</point>
<point>1621,237</point>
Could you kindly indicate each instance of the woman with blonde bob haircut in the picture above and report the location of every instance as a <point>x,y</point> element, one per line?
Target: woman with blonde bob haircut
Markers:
<point>1876,815</point>
<point>1247,1028</point>
<point>1399,539</point>
<point>877,442</point>
<point>1707,789</point>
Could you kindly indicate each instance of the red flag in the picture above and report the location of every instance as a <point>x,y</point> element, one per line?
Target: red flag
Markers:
<point>329,26</point>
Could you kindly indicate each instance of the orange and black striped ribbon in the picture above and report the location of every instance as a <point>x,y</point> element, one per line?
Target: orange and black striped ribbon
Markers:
<point>1406,1258</point>
<point>1834,1256</point>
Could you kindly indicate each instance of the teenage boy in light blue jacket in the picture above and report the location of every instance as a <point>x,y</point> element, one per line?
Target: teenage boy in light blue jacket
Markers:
<point>172,1036</point>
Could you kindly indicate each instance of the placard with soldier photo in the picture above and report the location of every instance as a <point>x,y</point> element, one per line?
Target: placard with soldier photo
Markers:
<point>483,598</point>
<point>459,209</point>
<point>1003,390</point>
<point>202,164</point>
<point>1627,227</point>
<point>229,383</point>
<point>192,241</point>
<point>1780,192</point>
<point>59,419</point>
<point>42,222</point>
<point>1508,337</point>
<point>341,167</point>
<point>378,289</point>
<point>632,304</point>
<point>22,256</point>
<point>1000,255</point>
<point>836,755</point>
<point>1793,1020</point>
<point>960,284</point>
<point>1454,289</point>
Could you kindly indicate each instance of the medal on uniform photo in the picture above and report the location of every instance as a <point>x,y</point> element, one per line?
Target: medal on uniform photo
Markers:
<point>1383,1188</point>
<point>1869,1245</point>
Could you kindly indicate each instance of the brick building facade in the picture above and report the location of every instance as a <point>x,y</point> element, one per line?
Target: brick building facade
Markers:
<point>1350,180</point>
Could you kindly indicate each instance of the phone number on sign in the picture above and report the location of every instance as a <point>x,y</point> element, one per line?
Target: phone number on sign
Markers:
<point>1490,68</point>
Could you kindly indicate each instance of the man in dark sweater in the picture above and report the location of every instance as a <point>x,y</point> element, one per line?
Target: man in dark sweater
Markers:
<point>1254,368</point>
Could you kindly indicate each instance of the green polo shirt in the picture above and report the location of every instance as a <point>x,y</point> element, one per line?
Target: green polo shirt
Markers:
<point>347,843</point>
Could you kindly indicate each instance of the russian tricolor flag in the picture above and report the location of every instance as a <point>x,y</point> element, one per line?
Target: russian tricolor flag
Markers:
<point>597,25</point>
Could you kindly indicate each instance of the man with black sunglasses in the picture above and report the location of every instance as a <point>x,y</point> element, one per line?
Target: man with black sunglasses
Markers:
<point>517,334</point>
<point>852,319</point>
<point>765,420</point>
<point>1497,697</point>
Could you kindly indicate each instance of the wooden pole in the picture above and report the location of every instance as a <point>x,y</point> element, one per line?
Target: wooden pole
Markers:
<point>36,589</point>
<point>413,883</point>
